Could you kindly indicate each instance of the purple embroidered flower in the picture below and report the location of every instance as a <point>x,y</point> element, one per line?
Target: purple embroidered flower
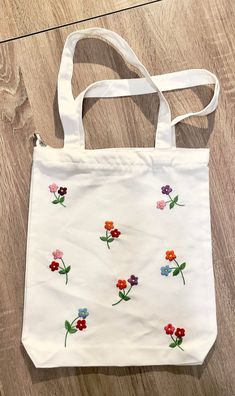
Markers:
<point>133,280</point>
<point>166,189</point>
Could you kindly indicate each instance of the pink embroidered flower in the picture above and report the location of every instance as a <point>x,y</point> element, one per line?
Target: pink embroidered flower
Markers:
<point>53,188</point>
<point>57,254</point>
<point>161,204</point>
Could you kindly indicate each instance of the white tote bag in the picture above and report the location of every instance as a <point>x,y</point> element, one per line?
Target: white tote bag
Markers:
<point>119,262</point>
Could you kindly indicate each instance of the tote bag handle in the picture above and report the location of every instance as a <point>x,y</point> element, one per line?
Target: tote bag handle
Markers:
<point>71,110</point>
<point>166,82</point>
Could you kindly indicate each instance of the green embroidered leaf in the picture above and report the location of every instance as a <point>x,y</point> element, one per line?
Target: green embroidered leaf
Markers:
<point>173,345</point>
<point>121,295</point>
<point>62,272</point>
<point>61,199</point>
<point>56,201</point>
<point>176,199</point>
<point>179,341</point>
<point>110,240</point>
<point>172,204</point>
<point>72,330</point>
<point>68,269</point>
<point>176,272</point>
<point>103,239</point>
<point>67,325</point>
<point>182,266</point>
<point>126,298</point>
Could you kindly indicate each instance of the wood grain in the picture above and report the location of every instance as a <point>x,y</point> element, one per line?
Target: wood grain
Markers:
<point>19,18</point>
<point>167,36</point>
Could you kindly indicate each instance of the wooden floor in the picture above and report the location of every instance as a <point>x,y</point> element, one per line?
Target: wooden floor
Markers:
<point>167,36</point>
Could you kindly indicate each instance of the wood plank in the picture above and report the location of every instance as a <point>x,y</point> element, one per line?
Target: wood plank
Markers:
<point>166,36</point>
<point>19,18</point>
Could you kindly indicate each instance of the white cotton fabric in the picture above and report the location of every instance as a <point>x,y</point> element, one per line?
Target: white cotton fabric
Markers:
<point>121,185</point>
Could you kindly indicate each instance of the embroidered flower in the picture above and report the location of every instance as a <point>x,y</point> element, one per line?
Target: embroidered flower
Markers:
<point>64,270</point>
<point>179,333</point>
<point>80,325</point>
<point>59,199</point>
<point>133,280</point>
<point>54,266</point>
<point>109,225</point>
<point>111,233</point>
<point>122,284</point>
<point>161,205</point>
<point>58,254</point>
<point>178,269</point>
<point>166,270</point>
<point>53,188</point>
<point>166,190</point>
<point>62,191</point>
<point>169,329</point>
<point>115,233</point>
<point>83,313</point>
<point>170,255</point>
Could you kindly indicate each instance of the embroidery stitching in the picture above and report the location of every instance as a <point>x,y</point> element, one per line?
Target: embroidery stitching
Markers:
<point>61,192</point>
<point>172,202</point>
<point>111,233</point>
<point>166,270</point>
<point>122,285</point>
<point>54,266</point>
<point>81,324</point>
<point>179,333</point>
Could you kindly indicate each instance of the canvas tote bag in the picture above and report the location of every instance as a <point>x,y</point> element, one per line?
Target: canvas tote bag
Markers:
<point>119,262</point>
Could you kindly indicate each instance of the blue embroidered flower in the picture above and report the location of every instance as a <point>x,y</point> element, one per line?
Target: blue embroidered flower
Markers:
<point>83,313</point>
<point>166,270</point>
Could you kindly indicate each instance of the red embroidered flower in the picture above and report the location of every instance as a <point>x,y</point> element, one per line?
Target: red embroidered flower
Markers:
<point>54,266</point>
<point>121,284</point>
<point>62,191</point>
<point>109,225</point>
<point>169,329</point>
<point>115,233</point>
<point>170,255</point>
<point>179,332</point>
<point>81,324</point>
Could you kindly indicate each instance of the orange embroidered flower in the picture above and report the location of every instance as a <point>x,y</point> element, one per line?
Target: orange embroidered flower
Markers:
<point>121,284</point>
<point>170,255</point>
<point>109,225</point>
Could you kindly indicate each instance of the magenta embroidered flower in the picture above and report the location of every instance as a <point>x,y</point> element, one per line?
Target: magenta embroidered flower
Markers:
<point>54,266</point>
<point>172,201</point>
<point>111,233</point>
<point>81,324</point>
<point>53,188</point>
<point>179,333</point>
<point>161,204</point>
<point>122,285</point>
<point>58,254</point>
<point>59,197</point>
<point>166,270</point>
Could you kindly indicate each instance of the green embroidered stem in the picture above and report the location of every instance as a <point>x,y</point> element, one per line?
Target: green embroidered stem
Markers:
<point>172,200</point>
<point>124,294</point>
<point>107,239</point>
<point>67,332</point>
<point>59,200</point>
<point>65,270</point>
<point>181,271</point>
<point>175,341</point>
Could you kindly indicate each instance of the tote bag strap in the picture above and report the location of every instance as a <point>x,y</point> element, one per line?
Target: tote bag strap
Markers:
<point>71,110</point>
<point>165,82</point>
